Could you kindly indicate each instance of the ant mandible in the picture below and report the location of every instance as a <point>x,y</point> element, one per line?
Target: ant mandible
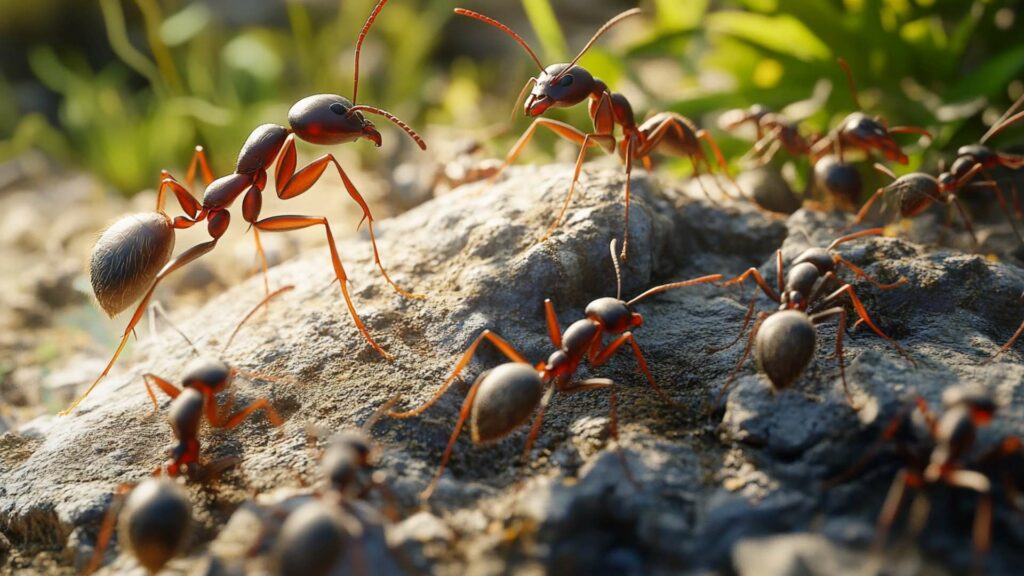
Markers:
<point>134,255</point>
<point>784,341</point>
<point>502,398</point>
<point>566,85</point>
<point>860,131</point>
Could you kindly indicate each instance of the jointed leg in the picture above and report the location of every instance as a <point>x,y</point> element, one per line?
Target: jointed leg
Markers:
<point>586,144</point>
<point>966,219</point>
<point>107,528</point>
<point>746,322</point>
<point>858,306</point>
<point>840,330</point>
<point>223,420</point>
<point>890,509</point>
<point>467,404</point>
<point>859,272</point>
<point>560,128</point>
<point>153,380</point>
<point>198,160</point>
<point>630,150</point>
<point>286,223</point>
<point>500,343</point>
<point>605,354</point>
<point>184,258</point>
<point>760,279</point>
<point>864,209</point>
<point>1009,344</point>
<point>706,136</point>
<point>739,364</point>
<point>554,331</point>
<point>535,426</point>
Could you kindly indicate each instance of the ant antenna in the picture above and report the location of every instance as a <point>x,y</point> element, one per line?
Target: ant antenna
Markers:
<point>503,28</point>
<point>673,286</point>
<point>380,112</point>
<point>618,271</point>
<point>849,81</point>
<point>379,412</point>
<point>598,34</point>
<point>359,44</point>
<point>158,310</point>
<point>855,235</point>
<point>1004,120</point>
<point>252,312</point>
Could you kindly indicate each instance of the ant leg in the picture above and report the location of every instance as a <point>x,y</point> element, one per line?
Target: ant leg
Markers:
<point>858,306</point>
<point>184,258</point>
<point>266,299</point>
<point>696,175</point>
<point>966,219</point>
<point>220,419</point>
<point>107,528</point>
<point>286,223</point>
<point>893,501</point>
<point>605,354</point>
<point>982,533</point>
<point>167,388</point>
<point>864,210</point>
<point>198,160</point>
<point>499,342</point>
<point>290,184</point>
<point>467,404</point>
<point>535,425</point>
<point>859,272</point>
<point>1009,344</point>
<point>185,199</point>
<point>746,322</point>
<point>991,183</point>
<point>746,354</point>
<point>821,317</point>
<point>760,279</point>
<point>554,331</point>
<point>262,256</point>
<point>585,145</point>
<point>892,428</point>
<point>630,150</point>
<point>706,136</point>
<point>559,128</point>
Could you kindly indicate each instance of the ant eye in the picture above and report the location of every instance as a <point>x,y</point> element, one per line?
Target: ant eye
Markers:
<point>338,108</point>
<point>565,81</point>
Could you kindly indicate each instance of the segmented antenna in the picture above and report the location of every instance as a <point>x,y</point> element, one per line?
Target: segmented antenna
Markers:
<point>598,34</point>
<point>618,271</point>
<point>359,44</point>
<point>503,28</point>
<point>849,81</point>
<point>673,286</point>
<point>380,112</point>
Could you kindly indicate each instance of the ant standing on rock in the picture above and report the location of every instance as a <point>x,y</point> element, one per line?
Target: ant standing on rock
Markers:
<point>502,398</point>
<point>784,341</point>
<point>134,255</point>
<point>566,85</point>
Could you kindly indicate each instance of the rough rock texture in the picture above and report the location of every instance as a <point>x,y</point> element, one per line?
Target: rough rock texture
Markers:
<point>708,491</point>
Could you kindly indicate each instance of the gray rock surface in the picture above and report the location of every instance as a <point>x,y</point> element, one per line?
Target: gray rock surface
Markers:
<point>706,491</point>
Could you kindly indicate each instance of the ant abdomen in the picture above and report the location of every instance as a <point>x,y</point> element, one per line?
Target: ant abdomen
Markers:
<point>156,522</point>
<point>127,258</point>
<point>507,396</point>
<point>785,347</point>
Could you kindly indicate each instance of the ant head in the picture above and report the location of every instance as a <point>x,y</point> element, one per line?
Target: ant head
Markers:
<point>865,132</point>
<point>330,119</point>
<point>559,86</point>
<point>947,180</point>
<point>613,314</point>
<point>346,455</point>
<point>207,374</point>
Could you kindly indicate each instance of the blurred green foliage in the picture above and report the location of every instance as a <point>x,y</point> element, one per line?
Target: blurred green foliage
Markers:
<point>184,74</point>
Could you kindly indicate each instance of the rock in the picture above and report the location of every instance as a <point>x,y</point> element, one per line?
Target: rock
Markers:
<point>706,493</point>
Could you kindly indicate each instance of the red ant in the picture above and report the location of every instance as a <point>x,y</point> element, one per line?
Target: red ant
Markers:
<point>204,378</point>
<point>967,157</point>
<point>784,341</point>
<point>916,191</point>
<point>133,255</point>
<point>502,398</point>
<point>774,132</point>
<point>860,131</point>
<point>935,448</point>
<point>566,85</point>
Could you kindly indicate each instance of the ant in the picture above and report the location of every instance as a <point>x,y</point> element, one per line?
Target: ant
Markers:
<point>566,85</point>
<point>784,341</point>
<point>935,448</point>
<point>917,191</point>
<point>967,157</point>
<point>502,398</point>
<point>774,132</point>
<point>204,378</point>
<point>317,537</point>
<point>133,256</point>
<point>154,522</point>
<point>860,131</point>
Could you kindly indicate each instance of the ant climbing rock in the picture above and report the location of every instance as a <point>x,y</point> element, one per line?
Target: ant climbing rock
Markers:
<point>936,449</point>
<point>862,132</point>
<point>503,398</point>
<point>916,191</point>
<point>133,256</point>
<point>154,523</point>
<point>784,341</point>
<point>566,85</point>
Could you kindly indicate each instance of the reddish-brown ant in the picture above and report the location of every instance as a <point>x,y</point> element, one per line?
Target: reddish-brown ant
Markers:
<point>916,191</point>
<point>860,131</point>
<point>774,132</point>
<point>566,85</point>
<point>502,398</point>
<point>967,157</point>
<point>133,255</point>
<point>936,449</point>
<point>784,341</point>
